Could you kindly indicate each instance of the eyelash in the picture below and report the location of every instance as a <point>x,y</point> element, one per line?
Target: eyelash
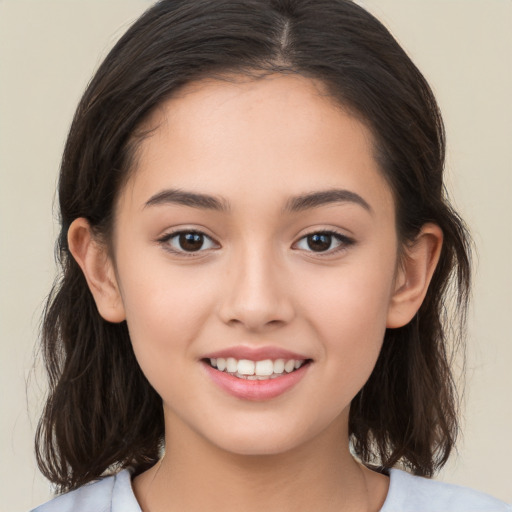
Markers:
<point>343,242</point>
<point>166,239</point>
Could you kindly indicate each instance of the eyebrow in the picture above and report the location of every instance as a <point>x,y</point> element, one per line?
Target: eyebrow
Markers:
<point>192,199</point>
<point>295,204</point>
<point>325,197</point>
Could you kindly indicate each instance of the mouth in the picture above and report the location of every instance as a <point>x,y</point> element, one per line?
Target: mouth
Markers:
<point>256,373</point>
<point>266,369</point>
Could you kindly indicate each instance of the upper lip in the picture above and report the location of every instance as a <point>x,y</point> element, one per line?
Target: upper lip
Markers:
<point>255,353</point>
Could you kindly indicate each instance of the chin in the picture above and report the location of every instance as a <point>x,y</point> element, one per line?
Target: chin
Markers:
<point>261,442</point>
<point>257,447</point>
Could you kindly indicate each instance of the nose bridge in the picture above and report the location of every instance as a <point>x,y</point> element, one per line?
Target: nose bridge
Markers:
<point>256,295</point>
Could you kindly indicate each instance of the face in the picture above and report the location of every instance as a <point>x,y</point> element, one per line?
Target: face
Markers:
<point>256,232</point>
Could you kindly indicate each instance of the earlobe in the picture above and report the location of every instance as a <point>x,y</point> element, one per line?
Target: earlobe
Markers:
<point>93,259</point>
<point>414,275</point>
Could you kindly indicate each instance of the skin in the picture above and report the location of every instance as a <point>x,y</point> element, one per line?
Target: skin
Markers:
<point>255,145</point>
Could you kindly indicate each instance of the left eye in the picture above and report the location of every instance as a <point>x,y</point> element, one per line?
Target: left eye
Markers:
<point>189,241</point>
<point>322,242</point>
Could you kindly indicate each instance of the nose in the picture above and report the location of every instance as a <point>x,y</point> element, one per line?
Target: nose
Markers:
<point>257,293</point>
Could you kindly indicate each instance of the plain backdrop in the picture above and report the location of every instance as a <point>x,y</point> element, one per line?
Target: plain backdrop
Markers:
<point>48,52</point>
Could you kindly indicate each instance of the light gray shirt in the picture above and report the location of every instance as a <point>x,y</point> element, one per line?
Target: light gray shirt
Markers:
<point>407,493</point>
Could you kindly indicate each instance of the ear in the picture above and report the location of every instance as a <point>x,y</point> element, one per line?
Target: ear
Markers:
<point>98,269</point>
<point>414,275</point>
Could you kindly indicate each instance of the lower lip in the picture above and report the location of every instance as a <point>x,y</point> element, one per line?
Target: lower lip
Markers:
<point>257,390</point>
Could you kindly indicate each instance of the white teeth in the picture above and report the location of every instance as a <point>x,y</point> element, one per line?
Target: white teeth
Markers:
<point>264,368</point>
<point>256,370</point>
<point>231,365</point>
<point>289,366</point>
<point>279,366</point>
<point>245,367</point>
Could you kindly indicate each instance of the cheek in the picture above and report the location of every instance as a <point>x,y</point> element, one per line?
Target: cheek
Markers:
<point>165,311</point>
<point>352,332</point>
<point>348,312</point>
<point>354,298</point>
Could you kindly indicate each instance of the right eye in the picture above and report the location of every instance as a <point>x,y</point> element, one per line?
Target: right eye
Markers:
<point>188,242</point>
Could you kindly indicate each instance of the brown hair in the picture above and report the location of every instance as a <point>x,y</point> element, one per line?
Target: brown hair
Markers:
<point>101,413</point>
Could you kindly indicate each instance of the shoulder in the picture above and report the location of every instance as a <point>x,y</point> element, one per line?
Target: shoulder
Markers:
<point>408,493</point>
<point>110,494</point>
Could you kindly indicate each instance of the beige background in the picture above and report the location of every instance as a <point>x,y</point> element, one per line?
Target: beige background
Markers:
<point>48,51</point>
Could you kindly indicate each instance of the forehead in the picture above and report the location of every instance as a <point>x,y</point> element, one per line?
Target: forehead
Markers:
<point>280,132</point>
<point>245,105</point>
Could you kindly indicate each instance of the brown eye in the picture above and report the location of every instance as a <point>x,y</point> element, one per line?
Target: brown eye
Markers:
<point>319,242</point>
<point>191,241</point>
<point>324,242</point>
<point>188,242</point>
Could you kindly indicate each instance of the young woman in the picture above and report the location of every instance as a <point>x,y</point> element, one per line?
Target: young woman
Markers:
<point>256,254</point>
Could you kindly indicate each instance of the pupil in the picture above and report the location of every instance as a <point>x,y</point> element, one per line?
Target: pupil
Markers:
<point>319,242</point>
<point>191,241</point>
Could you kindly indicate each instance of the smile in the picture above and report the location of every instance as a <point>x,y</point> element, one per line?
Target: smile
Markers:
<point>256,370</point>
<point>256,375</point>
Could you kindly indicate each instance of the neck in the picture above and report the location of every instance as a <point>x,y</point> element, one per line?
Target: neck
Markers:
<point>321,475</point>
